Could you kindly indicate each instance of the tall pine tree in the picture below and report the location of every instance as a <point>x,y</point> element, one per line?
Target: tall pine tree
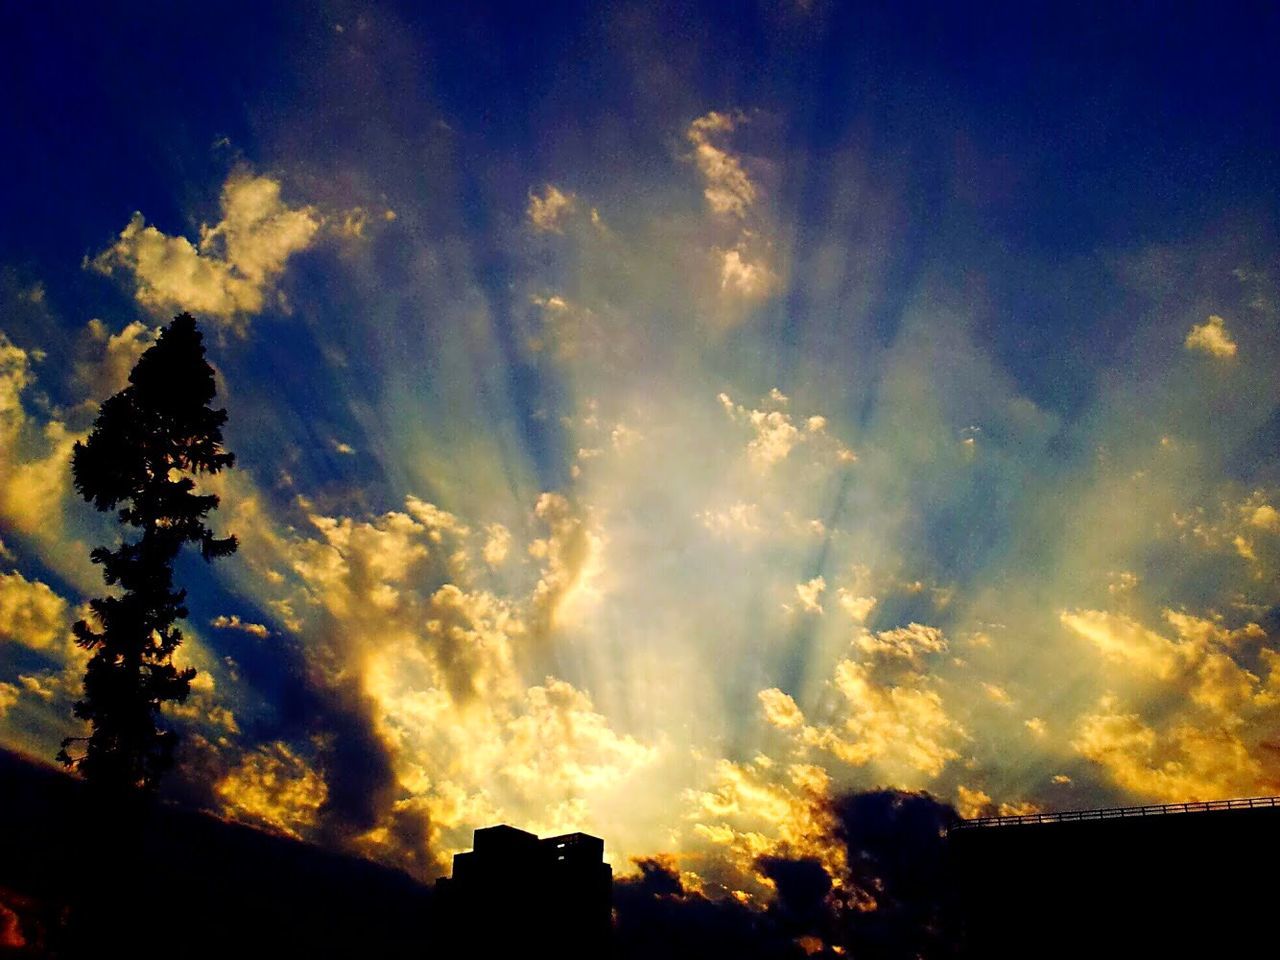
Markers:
<point>149,443</point>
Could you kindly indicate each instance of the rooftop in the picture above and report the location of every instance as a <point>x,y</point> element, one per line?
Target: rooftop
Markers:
<point>1112,813</point>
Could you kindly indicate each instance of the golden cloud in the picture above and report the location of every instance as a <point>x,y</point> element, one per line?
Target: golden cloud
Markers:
<point>547,213</point>
<point>729,191</point>
<point>1211,337</point>
<point>273,786</point>
<point>235,264</point>
<point>31,614</point>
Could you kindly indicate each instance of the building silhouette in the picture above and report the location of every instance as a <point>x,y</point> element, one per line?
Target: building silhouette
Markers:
<point>1172,880</point>
<point>515,895</point>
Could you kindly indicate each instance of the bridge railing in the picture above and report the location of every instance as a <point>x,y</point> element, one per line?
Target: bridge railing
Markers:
<point>1109,813</point>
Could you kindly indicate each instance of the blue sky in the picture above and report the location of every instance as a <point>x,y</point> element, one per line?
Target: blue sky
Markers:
<point>656,419</point>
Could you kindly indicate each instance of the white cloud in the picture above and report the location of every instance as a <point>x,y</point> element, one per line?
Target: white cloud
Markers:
<point>777,432</point>
<point>810,594</point>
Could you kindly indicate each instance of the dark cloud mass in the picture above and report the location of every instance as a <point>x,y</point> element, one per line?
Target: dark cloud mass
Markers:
<point>895,903</point>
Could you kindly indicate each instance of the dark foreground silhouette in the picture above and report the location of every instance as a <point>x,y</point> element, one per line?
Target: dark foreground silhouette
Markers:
<point>1152,882</point>
<point>149,444</point>
<point>514,891</point>
<point>80,877</point>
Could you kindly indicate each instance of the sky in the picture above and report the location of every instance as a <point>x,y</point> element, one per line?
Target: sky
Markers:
<point>663,420</point>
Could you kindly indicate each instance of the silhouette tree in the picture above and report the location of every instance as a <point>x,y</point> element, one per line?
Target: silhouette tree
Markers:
<point>148,444</point>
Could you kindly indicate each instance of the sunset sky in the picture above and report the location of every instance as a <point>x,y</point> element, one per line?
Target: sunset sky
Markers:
<point>659,419</point>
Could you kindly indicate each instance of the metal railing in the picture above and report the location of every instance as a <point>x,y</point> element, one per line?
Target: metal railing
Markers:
<point>1110,813</point>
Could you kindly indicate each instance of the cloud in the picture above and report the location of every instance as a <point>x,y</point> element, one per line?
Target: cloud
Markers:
<point>418,667</point>
<point>729,191</point>
<point>909,643</point>
<point>973,803</point>
<point>470,639</point>
<point>858,607</point>
<point>31,614</point>
<point>777,433</point>
<point>8,697</point>
<point>739,277</point>
<point>900,725</point>
<point>37,686</point>
<point>559,745</point>
<point>752,810</point>
<point>15,375</point>
<point>810,595</point>
<point>1211,337</point>
<point>234,266</point>
<point>736,520</point>
<point>32,494</point>
<point>273,787</point>
<point>1185,762</point>
<point>660,912</point>
<point>547,213</point>
<point>359,565</point>
<point>1122,640</point>
<point>233,622</point>
<point>1198,662</point>
<point>743,263</point>
<point>1265,517</point>
<point>895,848</point>
<point>497,544</point>
<point>571,331</point>
<point>114,355</point>
<point>780,709</point>
<point>890,714</point>
<point>997,694</point>
<point>570,555</point>
<point>34,453</point>
<point>879,891</point>
<point>1208,745</point>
